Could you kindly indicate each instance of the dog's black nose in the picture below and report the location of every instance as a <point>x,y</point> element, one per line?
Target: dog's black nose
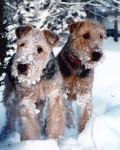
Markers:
<point>96,56</point>
<point>22,68</point>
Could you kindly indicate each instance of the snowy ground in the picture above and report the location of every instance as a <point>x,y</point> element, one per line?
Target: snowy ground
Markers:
<point>102,132</point>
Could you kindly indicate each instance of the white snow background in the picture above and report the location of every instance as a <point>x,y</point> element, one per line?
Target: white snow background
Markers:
<point>102,131</point>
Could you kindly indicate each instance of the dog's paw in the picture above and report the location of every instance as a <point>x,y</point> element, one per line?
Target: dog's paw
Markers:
<point>81,128</point>
<point>59,139</point>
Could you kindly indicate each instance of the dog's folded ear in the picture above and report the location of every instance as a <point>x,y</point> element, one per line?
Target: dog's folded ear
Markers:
<point>104,31</point>
<point>74,29</point>
<point>52,38</point>
<point>22,30</point>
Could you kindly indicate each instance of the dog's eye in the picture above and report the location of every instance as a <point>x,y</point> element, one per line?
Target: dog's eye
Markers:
<point>86,36</point>
<point>39,49</point>
<point>101,36</point>
<point>23,44</point>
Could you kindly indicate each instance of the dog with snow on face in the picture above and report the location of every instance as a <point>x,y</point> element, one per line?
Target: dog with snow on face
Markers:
<point>32,80</point>
<point>77,60</point>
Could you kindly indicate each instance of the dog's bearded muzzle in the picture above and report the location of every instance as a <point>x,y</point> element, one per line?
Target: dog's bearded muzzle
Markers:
<point>26,71</point>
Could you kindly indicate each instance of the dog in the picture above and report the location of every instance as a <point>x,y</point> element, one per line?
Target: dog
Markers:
<point>77,60</point>
<point>32,80</point>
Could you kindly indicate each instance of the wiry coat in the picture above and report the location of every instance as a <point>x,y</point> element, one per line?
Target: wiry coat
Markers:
<point>77,60</point>
<point>33,81</point>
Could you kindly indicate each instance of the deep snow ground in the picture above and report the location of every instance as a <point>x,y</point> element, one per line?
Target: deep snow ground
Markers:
<point>102,132</point>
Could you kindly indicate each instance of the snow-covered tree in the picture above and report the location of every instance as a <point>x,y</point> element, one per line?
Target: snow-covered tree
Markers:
<point>55,15</point>
<point>4,41</point>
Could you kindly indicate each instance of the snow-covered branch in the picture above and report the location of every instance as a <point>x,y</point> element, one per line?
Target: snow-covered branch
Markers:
<point>108,20</point>
<point>75,3</point>
<point>90,2</point>
<point>118,2</point>
<point>13,7</point>
<point>100,2</point>
<point>103,3</point>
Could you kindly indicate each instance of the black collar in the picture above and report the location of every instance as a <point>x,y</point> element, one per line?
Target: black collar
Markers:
<point>50,69</point>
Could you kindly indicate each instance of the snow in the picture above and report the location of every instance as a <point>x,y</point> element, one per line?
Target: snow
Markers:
<point>32,145</point>
<point>102,131</point>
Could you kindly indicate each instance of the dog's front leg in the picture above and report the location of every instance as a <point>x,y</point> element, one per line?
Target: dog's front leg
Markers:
<point>55,116</point>
<point>69,114</point>
<point>27,120</point>
<point>84,102</point>
<point>10,106</point>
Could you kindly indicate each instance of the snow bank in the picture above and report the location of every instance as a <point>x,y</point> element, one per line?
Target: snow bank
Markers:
<point>102,131</point>
<point>32,145</point>
<point>106,132</point>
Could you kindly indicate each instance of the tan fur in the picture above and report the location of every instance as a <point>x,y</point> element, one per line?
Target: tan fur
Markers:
<point>21,106</point>
<point>75,87</point>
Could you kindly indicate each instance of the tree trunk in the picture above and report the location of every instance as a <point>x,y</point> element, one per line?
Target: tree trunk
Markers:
<point>116,26</point>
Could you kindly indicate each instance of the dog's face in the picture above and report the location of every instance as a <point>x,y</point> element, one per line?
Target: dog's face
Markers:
<point>86,38</point>
<point>34,48</point>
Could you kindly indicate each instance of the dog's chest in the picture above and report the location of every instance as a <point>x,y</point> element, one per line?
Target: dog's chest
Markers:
<point>47,87</point>
<point>71,88</point>
<point>74,86</point>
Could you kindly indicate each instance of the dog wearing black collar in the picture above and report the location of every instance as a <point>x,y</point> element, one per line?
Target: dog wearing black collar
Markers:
<point>33,86</point>
<point>77,61</point>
